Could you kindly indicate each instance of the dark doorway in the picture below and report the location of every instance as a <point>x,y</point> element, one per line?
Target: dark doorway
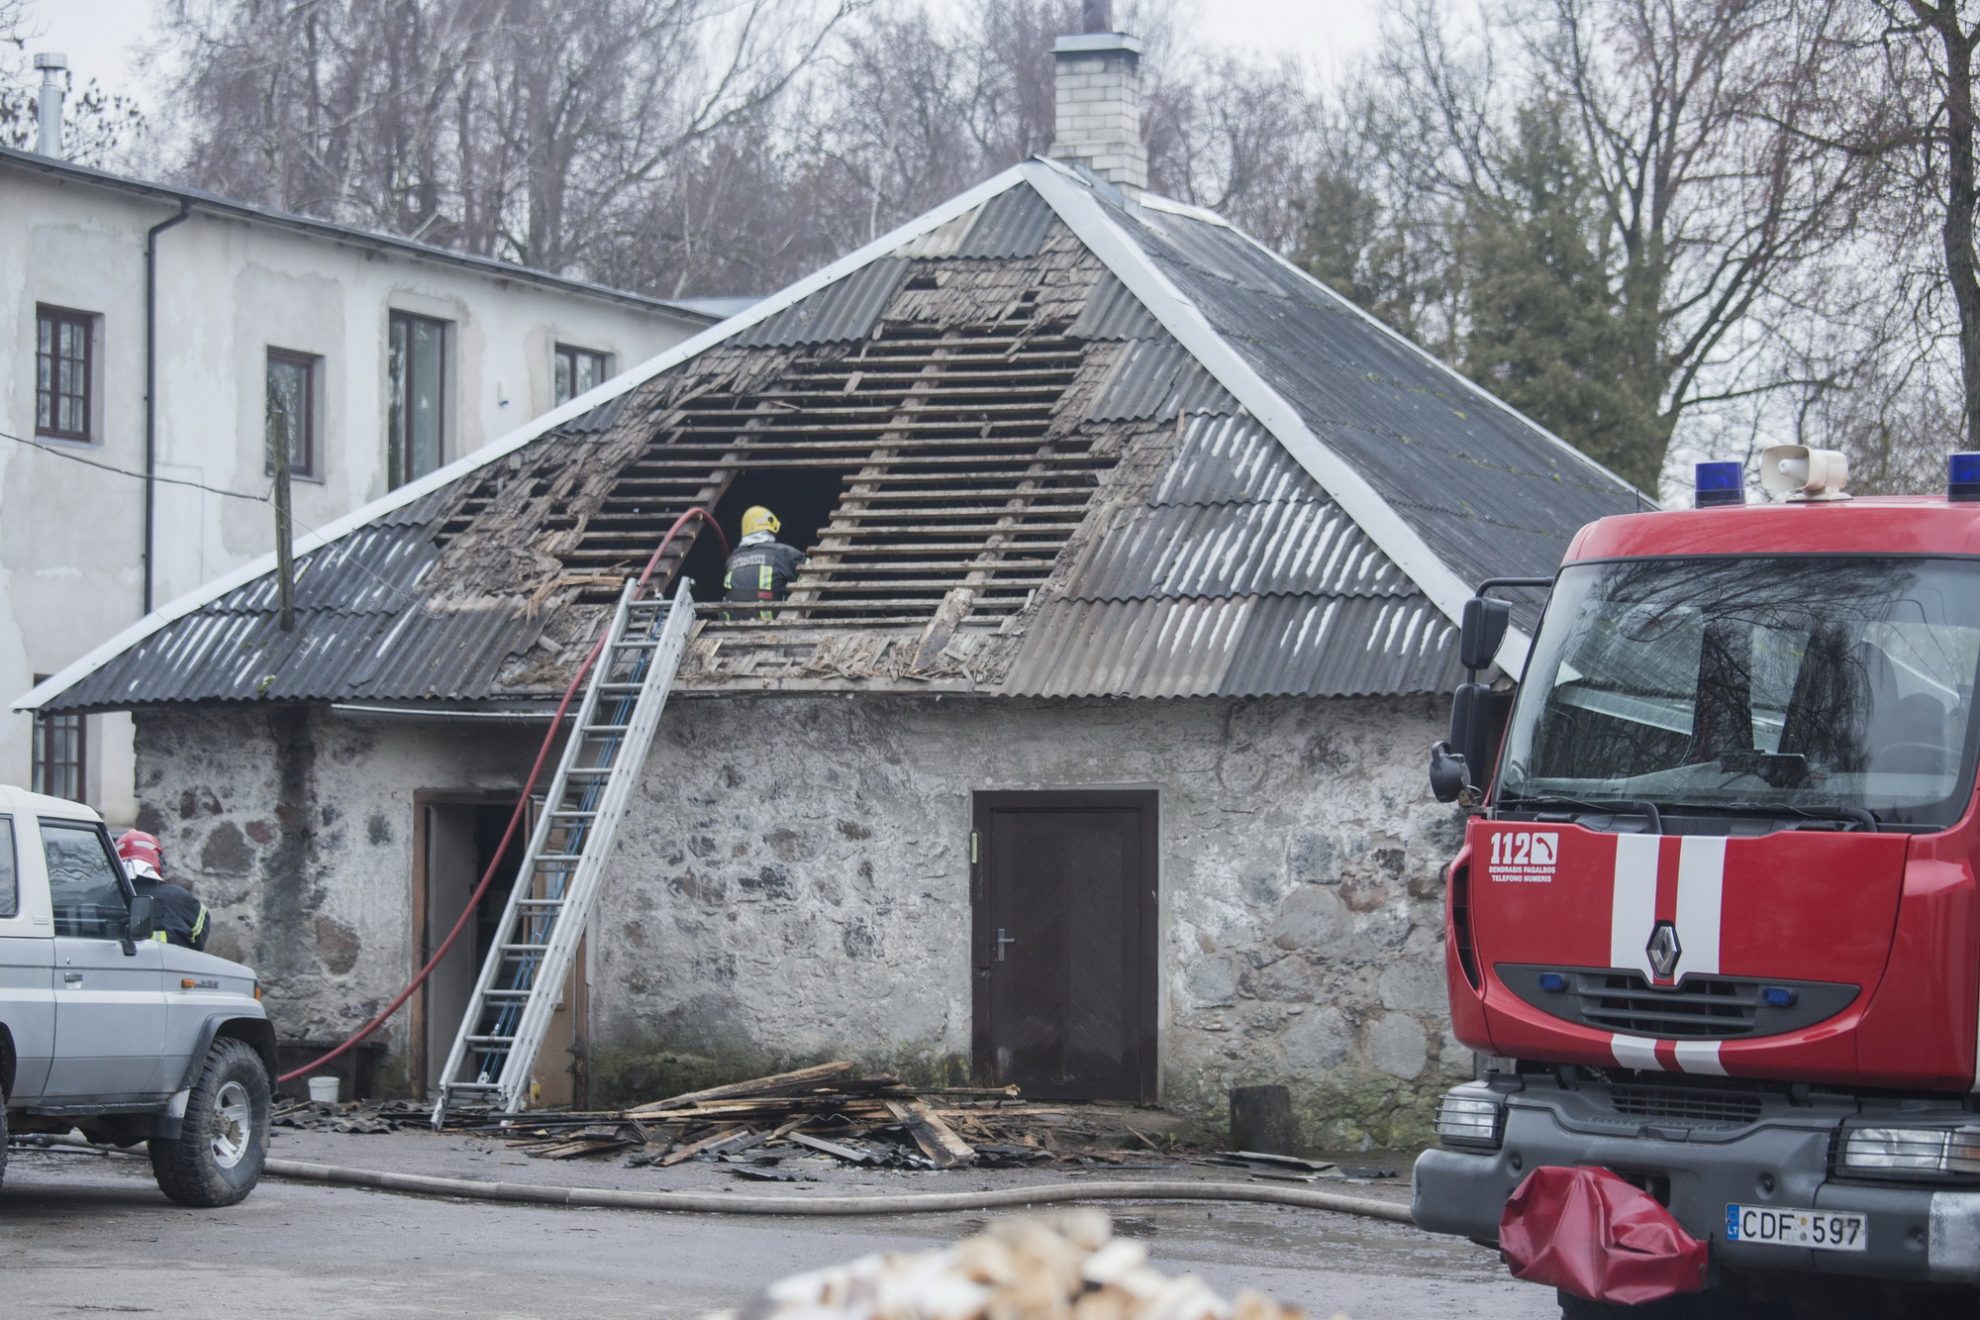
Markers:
<point>1066,896</point>
<point>457,836</point>
<point>803,499</point>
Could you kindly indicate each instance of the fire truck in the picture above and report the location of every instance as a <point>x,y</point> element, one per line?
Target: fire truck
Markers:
<point>1714,931</point>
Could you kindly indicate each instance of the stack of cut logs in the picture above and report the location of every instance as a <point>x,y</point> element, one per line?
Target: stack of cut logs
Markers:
<point>875,1121</point>
<point>1059,1267</point>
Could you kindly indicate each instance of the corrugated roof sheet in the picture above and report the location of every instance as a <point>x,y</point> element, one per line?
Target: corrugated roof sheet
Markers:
<point>1113,312</point>
<point>1225,459</point>
<point>1485,489</point>
<point>1225,571</point>
<point>840,311</point>
<point>1302,546</point>
<point>1011,224</point>
<point>361,631</point>
<point>1157,378</point>
<point>1245,646</point>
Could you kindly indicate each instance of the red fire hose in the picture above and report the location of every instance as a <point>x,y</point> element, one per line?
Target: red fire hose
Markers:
<point>516,816</point>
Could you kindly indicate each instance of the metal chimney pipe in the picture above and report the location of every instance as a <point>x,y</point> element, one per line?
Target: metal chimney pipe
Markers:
<point>1096,16</point>
<point>52,67</point>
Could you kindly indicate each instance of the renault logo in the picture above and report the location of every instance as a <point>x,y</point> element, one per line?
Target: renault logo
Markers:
<point>1664,950</point>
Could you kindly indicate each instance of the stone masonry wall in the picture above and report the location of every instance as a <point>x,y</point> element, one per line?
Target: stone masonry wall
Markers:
<point>296,830</point>
<point>792,880</point>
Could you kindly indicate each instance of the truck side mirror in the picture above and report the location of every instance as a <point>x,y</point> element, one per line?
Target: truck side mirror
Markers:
<point>1471,729</point>
<point>1459,764</point>
<point>1448,774</point>
<point>1481,630</point>
<point>144,923</point>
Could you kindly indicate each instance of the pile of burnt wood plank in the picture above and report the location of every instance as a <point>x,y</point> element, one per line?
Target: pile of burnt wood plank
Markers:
<point>872,1120</point>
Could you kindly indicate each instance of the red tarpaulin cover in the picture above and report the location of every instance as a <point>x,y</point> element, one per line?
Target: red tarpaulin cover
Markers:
<point>1595,1235</point>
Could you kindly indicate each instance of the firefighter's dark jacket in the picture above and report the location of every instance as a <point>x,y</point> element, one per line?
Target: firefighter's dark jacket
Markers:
<point>761,572</point>
<point>179,917</point>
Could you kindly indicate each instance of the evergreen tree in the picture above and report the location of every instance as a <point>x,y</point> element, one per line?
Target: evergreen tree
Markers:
<point>1543,327</point>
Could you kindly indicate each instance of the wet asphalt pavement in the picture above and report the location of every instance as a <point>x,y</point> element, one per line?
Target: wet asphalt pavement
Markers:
<point>88,1236</point>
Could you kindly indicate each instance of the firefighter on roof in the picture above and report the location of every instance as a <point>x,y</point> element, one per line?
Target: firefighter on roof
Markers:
<point>181,918</point>
<point>761,568</point>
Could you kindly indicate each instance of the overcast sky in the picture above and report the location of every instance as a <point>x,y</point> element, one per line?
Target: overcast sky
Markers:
<point>102,38</point>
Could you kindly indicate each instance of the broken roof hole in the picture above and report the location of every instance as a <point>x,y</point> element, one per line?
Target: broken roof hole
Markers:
<point>803,499</point>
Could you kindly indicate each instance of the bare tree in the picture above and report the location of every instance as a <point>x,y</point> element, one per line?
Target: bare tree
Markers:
<point>1927,54</point>
<point>1708,135</point>
<point>515,128</point>
<point>688,145</point>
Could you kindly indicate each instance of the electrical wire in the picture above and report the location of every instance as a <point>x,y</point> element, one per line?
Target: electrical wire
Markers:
<point>515,817</point>
<point>404,596</point>
<point>134,475</point>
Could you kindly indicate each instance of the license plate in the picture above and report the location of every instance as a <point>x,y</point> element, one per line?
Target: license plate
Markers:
<point>1784,1226</point>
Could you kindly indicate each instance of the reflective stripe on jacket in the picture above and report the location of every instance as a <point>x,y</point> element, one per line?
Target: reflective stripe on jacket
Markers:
<point>758,573</point>
<point>180,918</point>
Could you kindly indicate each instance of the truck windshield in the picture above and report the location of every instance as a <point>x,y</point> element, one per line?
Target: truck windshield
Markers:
<point>1807,685</point>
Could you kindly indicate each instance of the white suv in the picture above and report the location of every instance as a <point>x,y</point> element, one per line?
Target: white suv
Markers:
<point>107,1028</point>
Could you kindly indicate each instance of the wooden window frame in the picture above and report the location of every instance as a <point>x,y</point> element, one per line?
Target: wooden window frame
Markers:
<point>567,356</point>
<point>310,364</point>
<point>86,323</point>
<point>400,466</point>
<point>45,767</point>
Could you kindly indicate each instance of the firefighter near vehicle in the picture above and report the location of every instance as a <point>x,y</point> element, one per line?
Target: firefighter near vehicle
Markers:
<point>110,1031</point>
<point>1714,930</point>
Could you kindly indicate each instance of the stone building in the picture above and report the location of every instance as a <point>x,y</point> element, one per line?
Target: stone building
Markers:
<point>1087,751</point>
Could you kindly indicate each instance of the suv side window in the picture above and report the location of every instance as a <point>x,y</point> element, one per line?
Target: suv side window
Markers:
<point>85,881</point>
<point>10,884</point>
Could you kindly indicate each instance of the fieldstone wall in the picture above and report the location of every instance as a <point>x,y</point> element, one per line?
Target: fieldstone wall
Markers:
<point>793,880</point>
<point>296,830</point>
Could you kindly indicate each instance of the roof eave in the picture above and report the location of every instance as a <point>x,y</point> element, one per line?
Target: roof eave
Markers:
<point>212,204</point>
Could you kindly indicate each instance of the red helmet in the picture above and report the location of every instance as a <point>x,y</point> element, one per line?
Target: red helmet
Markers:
<point>141,853</point>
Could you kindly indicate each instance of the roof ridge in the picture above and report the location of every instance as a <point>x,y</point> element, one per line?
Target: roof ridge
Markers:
<point>1463,380</point>
<point>1087,216</point>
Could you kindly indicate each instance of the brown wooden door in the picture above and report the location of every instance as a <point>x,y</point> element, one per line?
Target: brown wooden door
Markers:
<point>1065,918</point>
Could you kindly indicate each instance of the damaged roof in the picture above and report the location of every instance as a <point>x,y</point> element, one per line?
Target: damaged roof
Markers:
<point>1073,444</point>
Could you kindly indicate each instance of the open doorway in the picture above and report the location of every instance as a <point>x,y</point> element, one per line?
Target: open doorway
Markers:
<point>803,499</point>
<point>457,838</point>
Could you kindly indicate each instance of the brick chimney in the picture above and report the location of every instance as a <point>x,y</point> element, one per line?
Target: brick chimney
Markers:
<point>1097,110</point>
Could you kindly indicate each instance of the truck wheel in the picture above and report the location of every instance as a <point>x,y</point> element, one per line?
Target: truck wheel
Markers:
<point>218,1156</point>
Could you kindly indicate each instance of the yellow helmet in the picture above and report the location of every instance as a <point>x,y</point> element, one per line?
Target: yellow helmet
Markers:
<point>756,519</point>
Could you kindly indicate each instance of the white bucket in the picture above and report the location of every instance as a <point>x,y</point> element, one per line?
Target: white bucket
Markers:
<point>323,1090</point>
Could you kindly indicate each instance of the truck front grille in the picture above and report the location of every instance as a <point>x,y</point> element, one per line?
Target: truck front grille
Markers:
<point>1692,1106</point>
<point>1696,1008</point>
<point>1703,1007</point>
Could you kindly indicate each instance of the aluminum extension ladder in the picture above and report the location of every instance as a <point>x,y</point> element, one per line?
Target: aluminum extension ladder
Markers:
<point>523,976</point>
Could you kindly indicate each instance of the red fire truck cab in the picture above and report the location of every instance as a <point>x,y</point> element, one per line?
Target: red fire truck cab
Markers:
<point>1714,929</point>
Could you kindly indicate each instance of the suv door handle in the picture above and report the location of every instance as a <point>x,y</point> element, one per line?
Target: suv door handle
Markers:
<point>71,978</point>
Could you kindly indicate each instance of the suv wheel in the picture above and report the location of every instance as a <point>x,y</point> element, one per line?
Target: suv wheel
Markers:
<point>218,1156</point>
<point>3,1138</point>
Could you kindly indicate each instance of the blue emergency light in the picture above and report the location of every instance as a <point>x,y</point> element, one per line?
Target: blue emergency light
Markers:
<point>1963,476</point>
<point>1778,996</point>
<point>1720,483</point>
<point>1553,982</point>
